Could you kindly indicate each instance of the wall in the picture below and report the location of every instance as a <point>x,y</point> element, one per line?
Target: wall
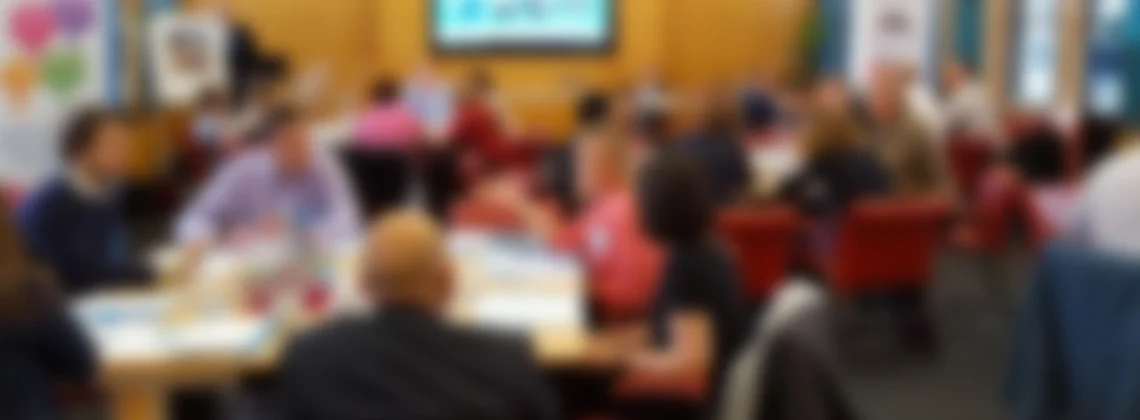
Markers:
<point>693,42</point>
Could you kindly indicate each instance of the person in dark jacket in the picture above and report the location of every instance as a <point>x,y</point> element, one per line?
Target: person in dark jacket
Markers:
<point>41,347</point>
<point>719,152</point>
<point>405,361</point>
<point>558,164</point>
<point>73,222</point>
<point>837,170</point>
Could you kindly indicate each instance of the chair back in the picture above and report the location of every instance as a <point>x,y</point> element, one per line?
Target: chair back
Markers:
<point>380,179</point>
<point>763,242</point>
<point>887,244</point>
<point>969,156</point>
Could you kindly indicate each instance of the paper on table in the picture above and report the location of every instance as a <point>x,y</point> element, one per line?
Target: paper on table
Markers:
<point>527,312</point>
<point>229,335</point>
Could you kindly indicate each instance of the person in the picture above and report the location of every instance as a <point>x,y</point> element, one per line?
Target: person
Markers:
<point>243,56</point>
<point>594,110</point>
<point>73,222</point>
<point>41,346</point>
<point>404,360</point>
<point>387,124</point>
<point>719,151</point>
<point>760,108</point>
<point>651,100</point>
<point>482,129</point>
<point>904,147</point>
<point>921,103</point>
<point>698,318</point>
<point>621,260</point>
<point>270,190</point>
<point>969,110</point>
<point>838,168</point>
<point>1105,214</point>
<point>431,100</point>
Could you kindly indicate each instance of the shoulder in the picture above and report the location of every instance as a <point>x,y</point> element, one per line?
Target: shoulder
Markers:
<point>316,346</point>
<point>51,194</point>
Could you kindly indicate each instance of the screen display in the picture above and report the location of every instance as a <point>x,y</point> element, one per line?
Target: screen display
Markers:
<point>522,25</point>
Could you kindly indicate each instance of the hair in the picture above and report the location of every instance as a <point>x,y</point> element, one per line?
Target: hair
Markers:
<point>19,275</point>
<point>212,98</point>
<point>385,90</point>
<point>278,118</point>
<point>479,80</point>
<point>830,132</point>
<point>674,202</point>
<point>81,129</point>
<point>722,116</point>
<point>593,108</point>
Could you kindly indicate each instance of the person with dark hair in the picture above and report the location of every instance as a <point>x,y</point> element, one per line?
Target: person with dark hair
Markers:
<point>41,346</point>
<point>698,318</point>
<point>758,102</point>
<point>387,123</point>
<point>73,223</point>
<point>717,148</point>
<point>558,164</point>
<point>284,185</point>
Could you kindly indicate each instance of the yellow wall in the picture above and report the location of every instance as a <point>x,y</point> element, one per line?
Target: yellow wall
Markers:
<point>693,42</point>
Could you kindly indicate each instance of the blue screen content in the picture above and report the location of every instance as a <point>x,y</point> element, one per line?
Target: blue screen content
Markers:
<point>473,25</point>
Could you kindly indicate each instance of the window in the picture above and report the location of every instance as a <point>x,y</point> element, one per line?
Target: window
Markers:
<point>1108,92</point>
<point>1034,79</point>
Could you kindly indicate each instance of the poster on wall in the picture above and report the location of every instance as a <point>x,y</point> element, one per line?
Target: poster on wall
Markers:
<point>53,59</point>
<point>188,56</point>
<point>895,31</point>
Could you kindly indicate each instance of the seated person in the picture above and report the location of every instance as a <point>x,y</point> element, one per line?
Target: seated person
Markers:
<point>916,168</point>
<point>837,168</point>
<point>387,123</point>
<point>621,260</point>
<point>41,346</point>
<point>73,223</point>
<point>718,150</point>
<point>558,167</point>
<point>285,185</point>
<point>1106,214</point>
<point>699,318</point>
<point>404,360</point>
<point>482,129</point>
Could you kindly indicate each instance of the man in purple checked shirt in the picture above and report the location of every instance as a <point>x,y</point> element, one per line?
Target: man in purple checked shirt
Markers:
<point>267,192</point>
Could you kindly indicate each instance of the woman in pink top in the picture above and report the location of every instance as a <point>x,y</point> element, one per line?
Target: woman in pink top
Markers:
<point>387,124</point>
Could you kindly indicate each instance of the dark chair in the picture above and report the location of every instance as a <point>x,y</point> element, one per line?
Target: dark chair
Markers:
<point>381,179</point>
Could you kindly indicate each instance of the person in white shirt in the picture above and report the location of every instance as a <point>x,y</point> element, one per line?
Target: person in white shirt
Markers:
<point>1107,216</point>
<point>921,102</point>
<point>969,110</point>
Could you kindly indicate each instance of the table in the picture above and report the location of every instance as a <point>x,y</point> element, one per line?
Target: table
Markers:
<point>501,283</point>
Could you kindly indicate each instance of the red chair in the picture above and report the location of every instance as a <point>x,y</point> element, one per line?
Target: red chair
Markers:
<point>969,156</point>
<point>887,245</point>
<point>762,240</point>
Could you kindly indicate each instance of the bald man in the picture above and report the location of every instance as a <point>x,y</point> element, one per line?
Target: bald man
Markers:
<point>404,361</point>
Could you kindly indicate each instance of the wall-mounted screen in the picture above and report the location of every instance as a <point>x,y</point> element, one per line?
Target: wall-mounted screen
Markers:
<point>473,26</point>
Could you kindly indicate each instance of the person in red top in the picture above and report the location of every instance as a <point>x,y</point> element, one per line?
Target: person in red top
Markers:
<point>481,130</point>
<point>622,261</point>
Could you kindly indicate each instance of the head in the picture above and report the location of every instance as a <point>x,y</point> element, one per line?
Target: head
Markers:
<point>479,83</point>
<point>213,101</point>
<point>97,143</point>
<point>385,91</point>
<point>405,263</point>
<point>955,73</point>
<point>601,163</point>
<point>721,115</point>
<point>886,99</point>
<point>830,132</point>
<point>830,96</point>
<point>288,141</point>
<point>593,109</point>
<point>674,203</point>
